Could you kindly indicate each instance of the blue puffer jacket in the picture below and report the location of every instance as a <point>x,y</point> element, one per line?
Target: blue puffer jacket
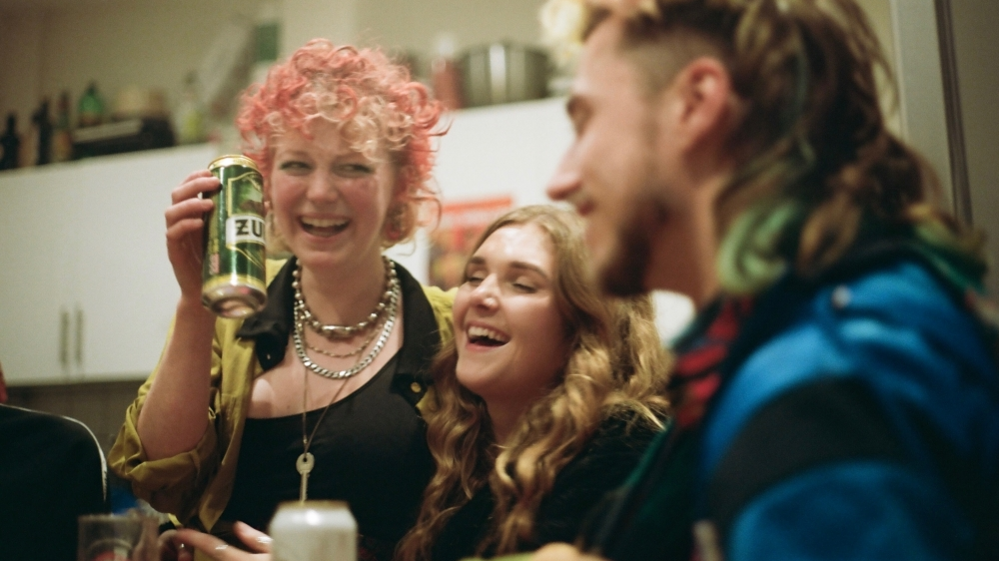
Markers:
<point>861,422</point>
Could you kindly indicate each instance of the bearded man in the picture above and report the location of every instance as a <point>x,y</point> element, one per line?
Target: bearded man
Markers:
<point>837,395</point>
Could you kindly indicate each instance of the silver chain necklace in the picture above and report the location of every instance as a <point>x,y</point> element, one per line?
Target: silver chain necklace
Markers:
<point>333,331</point>
<point>299,332</point>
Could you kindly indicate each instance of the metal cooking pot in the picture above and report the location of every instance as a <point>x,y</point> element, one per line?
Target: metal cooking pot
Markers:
<point>503,72</point>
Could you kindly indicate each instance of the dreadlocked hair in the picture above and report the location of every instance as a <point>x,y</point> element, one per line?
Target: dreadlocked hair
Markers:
<point>817,170</point>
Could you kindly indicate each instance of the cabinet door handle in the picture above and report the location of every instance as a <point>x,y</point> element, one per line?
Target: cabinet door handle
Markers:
<point>78,349</point>
<point>64,338</point>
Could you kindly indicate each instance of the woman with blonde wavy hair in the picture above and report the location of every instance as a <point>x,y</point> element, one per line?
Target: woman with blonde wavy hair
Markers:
<point>544,400</point>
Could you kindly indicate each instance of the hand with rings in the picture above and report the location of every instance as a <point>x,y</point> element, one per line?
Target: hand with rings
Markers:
<point>258,544</point>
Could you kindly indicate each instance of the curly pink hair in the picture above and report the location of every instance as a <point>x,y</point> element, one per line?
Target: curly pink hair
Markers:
<point>374,102</point>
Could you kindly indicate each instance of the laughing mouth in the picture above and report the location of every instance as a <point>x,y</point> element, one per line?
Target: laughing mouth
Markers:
<point>486,337</point>
<point>324,227</point>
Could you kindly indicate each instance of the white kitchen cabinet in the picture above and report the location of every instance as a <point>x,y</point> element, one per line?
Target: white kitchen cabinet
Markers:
<point>33,253</point>
<point>86,289</point>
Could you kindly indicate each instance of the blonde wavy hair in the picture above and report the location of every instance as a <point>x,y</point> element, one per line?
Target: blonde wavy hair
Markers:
<point>616,366</point>
<point>817,169</point>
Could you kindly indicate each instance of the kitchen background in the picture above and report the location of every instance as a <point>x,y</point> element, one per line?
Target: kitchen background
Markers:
<point>86,292</point>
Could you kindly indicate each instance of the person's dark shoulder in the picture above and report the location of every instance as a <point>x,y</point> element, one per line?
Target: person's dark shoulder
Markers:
<point>51,471</point>
<point>619,440</point>
<point>19,425</point>
<point>606,460</point>
<point>43,445</point>
<point>627,428</point>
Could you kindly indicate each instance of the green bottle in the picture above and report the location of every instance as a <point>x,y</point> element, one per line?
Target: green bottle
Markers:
<point>91,108</point>
<point>62,139</point>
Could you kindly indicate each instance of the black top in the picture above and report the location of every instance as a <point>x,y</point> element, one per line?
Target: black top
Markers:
<point>605,462</point>
<point>51,472</point>
<point>370,449</point>
<point>271,328</point>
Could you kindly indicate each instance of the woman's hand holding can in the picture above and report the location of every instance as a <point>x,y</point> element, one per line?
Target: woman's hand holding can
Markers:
<point>185,231</point>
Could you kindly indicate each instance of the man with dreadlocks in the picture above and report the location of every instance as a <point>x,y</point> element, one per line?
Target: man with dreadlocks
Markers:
<point>837,395</point>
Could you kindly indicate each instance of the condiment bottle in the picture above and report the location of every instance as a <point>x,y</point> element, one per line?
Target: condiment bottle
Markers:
<point>444,75</point>
<point>90,111</point>
<point>10,144</point>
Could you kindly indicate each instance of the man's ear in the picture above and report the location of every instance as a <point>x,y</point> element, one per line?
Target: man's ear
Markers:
<point>701,95</point>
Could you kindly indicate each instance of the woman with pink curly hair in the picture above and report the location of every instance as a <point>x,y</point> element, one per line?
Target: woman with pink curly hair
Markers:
<point>316,395</point>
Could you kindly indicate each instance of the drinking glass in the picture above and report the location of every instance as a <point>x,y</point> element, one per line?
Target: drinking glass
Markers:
<point>118,537</point>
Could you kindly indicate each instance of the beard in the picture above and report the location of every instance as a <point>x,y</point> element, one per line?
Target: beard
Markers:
<point>624,272</point>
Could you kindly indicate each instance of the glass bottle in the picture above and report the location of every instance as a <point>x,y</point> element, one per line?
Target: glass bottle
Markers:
<point>43,125</point>
<point>90,110</point>
<point>10,144</point>
<point>62,138</point>
<point>444,74</point>
<point>189,117</point>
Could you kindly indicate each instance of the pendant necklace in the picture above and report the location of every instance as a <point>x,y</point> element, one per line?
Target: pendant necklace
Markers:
<point>388,317</point>
<point>306,461</point>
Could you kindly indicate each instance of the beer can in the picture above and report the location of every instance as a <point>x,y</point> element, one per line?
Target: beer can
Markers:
<point>313,530</point>
<point>233,275</point>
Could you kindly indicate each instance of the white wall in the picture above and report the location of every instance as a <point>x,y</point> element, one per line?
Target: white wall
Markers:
<point>975,25</point>
<point>20,64</point>
<point>920,82</point>
<point>923,111</point>
<point>303,20</point>
<point>880,15</point>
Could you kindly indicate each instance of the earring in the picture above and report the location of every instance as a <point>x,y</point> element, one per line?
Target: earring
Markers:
<point>273,240</point>
<point>395,222</point>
